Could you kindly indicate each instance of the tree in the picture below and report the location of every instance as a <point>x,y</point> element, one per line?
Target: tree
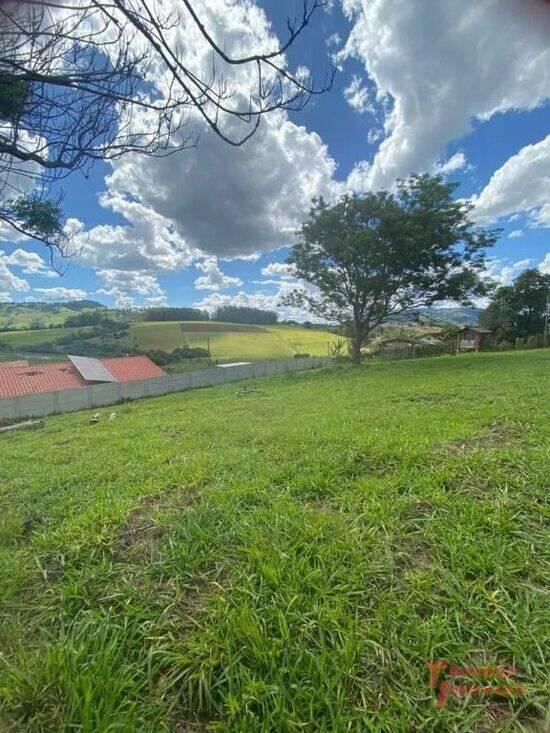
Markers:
<point>97,79</point>
<point>242,314</point>
<point>368,257</point>
<point>519,310</point>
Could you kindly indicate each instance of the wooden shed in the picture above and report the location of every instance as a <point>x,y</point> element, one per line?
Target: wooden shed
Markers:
<point>472,338</point>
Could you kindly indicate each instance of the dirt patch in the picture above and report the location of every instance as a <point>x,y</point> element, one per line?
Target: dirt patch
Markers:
<point>140,534</point>
<point>499,434</point>
<point>222,328</point>
<point>411,554</point>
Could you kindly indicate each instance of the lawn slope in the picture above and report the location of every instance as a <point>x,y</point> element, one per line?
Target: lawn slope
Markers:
<point>284,559</point>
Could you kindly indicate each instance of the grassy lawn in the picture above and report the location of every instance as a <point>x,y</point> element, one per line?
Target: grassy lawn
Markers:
<point>287,559</point>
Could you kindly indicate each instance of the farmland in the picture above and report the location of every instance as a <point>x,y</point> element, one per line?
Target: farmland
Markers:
<point>282,559</point>
<point>227,342</point>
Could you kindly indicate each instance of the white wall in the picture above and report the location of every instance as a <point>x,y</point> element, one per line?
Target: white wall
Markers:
<point>100,395</point>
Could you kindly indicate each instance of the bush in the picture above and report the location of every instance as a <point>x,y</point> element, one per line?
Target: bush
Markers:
<point>301,356</point>
<point>162,358</point>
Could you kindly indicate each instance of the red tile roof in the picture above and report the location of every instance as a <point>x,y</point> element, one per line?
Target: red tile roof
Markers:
<point>53,377</point>
<point>130,368</point>
<point>39,378</point>
<point>16,363</point>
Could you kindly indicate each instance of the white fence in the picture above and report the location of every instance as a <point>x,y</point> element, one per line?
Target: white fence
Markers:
<point>100,395</point>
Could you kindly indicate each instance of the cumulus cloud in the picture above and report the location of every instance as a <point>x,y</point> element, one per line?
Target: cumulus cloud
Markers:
<point>125,285</point>
<point>30,262</point>
<point>9,282</point>
<point>522,184</point>
<point>272,300</point>
<point>442,65</point>
<point>455,163</point>
<point>356,95</point>
<point>214,278</point>
<point>61,293</point>
<point>544,266</point>
<point>516,234</point>
<point>504,272</point>
<point>279,269</point>
<point>224,201</point>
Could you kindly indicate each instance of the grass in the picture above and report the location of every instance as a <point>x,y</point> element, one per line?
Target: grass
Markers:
<point>271,342</point>
<point>282,560</point>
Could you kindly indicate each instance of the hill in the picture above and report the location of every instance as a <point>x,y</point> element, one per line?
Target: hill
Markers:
<point>41,315</point>
<point>226,341</point>
<point>287,558</point>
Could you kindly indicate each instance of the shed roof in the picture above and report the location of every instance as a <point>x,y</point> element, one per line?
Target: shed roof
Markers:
<point>477,329</point>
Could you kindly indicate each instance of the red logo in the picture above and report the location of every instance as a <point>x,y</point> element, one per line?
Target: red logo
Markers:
<point>443,676</point>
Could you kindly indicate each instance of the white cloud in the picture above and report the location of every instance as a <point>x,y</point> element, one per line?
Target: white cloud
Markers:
<point>214,278</point>
<point>544,266</point>
<point>442,65</point>
<point>221,200</point>
<point>5,298</point>
<point>61,293</point>
<point>261,299</point>
<point>516,234</point>
<point>503,272</point>
<point>522,184</point>
<point>124,286</point>
<point>278,269</point>
<point>333,40</point>
<point>10,282</point>
<point>455,163</point>
<point>30,262</point>
<point>356,95</point>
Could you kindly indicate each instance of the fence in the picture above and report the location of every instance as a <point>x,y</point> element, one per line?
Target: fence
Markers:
<point>101,395</point>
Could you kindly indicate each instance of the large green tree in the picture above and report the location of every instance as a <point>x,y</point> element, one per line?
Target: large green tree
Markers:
<point>518,310</point>
<point>368,257</point>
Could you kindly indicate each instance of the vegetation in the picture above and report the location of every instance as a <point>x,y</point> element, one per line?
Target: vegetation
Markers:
<point>175,314</point>
<point>283,558</point>
<point>369,257</point>
<point>518,311</point>
<point>241,314</point>
<point>19,316</point>
<point>226,342</point>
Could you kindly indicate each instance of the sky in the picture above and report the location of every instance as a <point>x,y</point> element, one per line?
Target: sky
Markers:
<point>459,88</point>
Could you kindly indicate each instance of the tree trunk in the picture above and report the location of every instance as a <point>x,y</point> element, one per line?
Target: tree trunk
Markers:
<point>356,343</point>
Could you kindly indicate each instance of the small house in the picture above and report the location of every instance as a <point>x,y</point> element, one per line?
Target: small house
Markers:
<point>472,338</point>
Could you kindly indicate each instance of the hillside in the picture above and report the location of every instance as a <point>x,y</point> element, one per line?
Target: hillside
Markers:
<point>284,559</point>
<point>41,315</point>
<point>227,342</point>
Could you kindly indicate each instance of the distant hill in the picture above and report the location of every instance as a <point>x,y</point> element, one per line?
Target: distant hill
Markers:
<point>458,316</point>
<point>41,315</point>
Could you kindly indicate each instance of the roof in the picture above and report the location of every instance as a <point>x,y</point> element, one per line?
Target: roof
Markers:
<point>54,377</point>
<point>477,329</point>
<point>131,368</point>
<point>29,379</point>
<point>16,363</point>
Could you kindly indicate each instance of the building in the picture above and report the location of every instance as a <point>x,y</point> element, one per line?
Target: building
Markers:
<point>472,338</point>
<point>22,378</point>
<point>404,346</point>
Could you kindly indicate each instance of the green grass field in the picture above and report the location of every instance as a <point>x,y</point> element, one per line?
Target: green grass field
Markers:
<point>269,342</point>
<point>283,560</point>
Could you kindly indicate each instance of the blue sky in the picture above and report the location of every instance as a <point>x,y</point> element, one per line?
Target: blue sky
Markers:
<point>462,88</point>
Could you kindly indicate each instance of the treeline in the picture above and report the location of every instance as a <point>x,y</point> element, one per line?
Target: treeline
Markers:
<point>226,314</point>
<point>241,314</point>
<point>517,313</point>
